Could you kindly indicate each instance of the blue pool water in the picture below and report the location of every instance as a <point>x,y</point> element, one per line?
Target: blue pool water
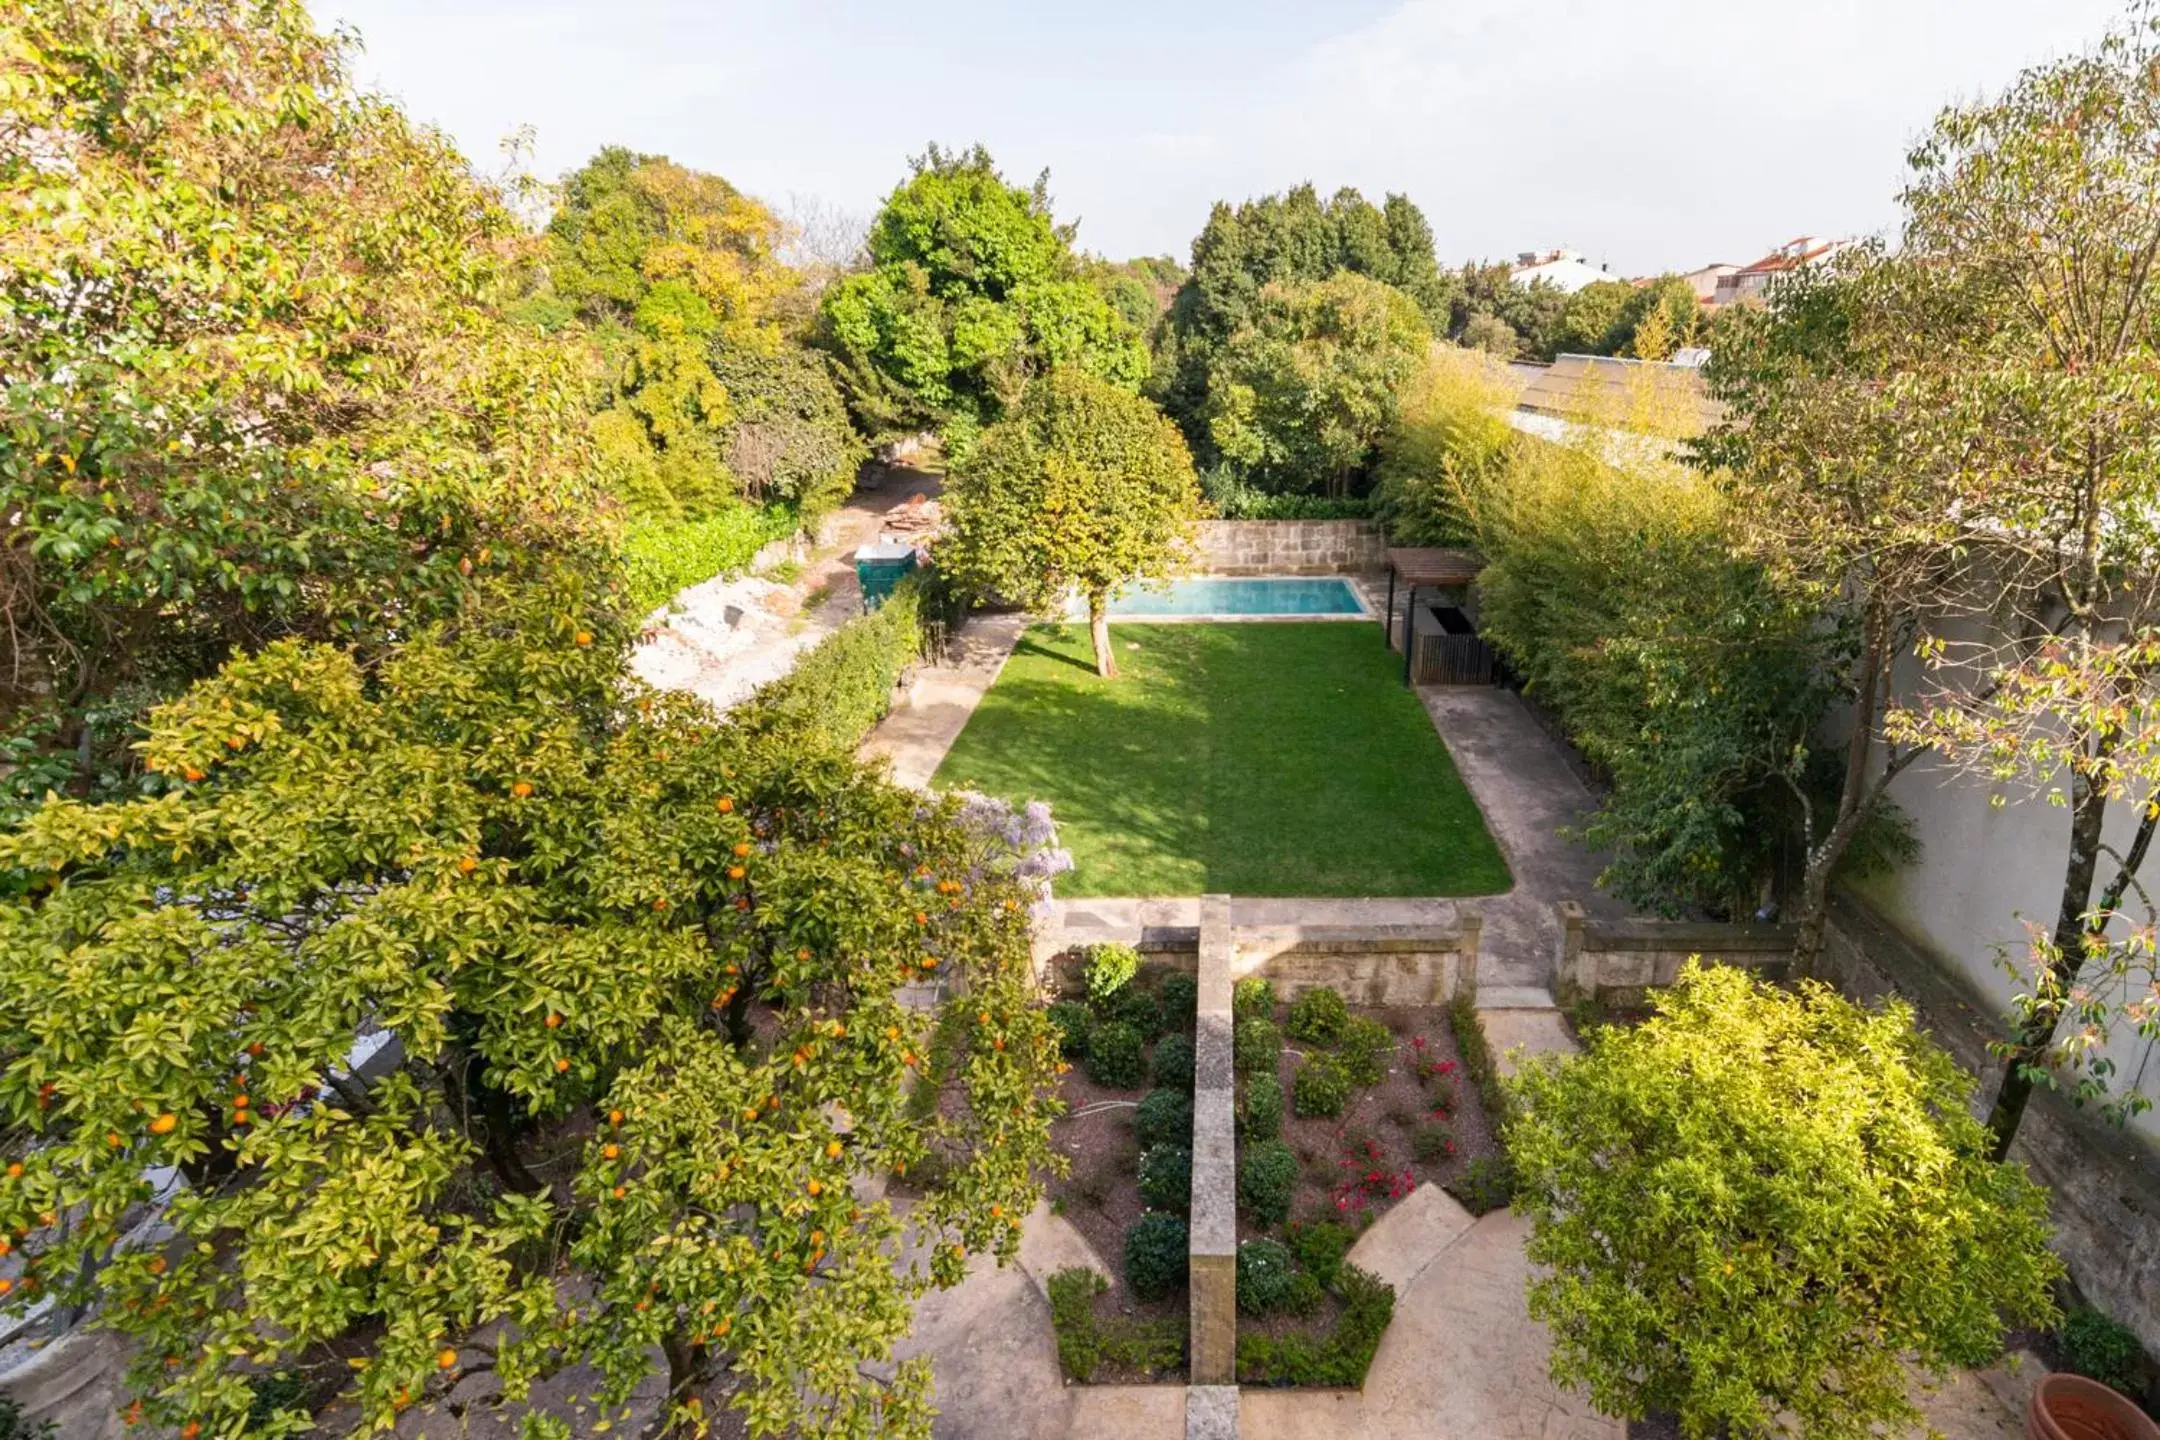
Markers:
<point>1240,595</point>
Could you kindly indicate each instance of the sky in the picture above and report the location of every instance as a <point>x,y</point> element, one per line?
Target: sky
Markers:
<point>1651,135</point>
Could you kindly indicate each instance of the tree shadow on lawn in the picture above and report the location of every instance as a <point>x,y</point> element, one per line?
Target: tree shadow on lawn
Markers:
<point>1032,648</point>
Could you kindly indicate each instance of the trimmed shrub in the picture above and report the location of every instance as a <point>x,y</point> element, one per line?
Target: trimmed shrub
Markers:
<point>1305,1296</point>
<point>1110,968</point>
<point>1072,1319</point>
<point>1433,1142</point>
<point>1321,1087</point>
<point>1486,1184</point>
<point>1164,1118</point>
<point>1478,1064</point>
<point>1339,1357</point>
<point>1264,1277</point>
<point>1178,997</point>
<point>1166,1178</point>
<point>1365,1047</point>
<point>1072,1022</point>
<point>1116,1056</point>
<point>1319,1247</point>
<point>1317,1016</point>
<point>843,684</point>
<point>1172,1064</point>
<point>1155,1258</point>
<point>1266,1177</point>
<point>2100,1349</point>
<point>1252,996</point>
<point>1263,1108</point>
<point>1135,1007</point>
<point>1256,1045</point>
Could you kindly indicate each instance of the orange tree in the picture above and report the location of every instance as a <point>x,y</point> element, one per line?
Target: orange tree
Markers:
<point>635,977</point>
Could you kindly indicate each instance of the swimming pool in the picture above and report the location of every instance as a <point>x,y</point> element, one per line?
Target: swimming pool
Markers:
<point>1213,597</point>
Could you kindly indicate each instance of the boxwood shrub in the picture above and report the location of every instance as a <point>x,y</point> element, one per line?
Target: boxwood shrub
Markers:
<point>1265,1277</point>
<point>1072,1022</point>
<point>1317,1016</point>
<point>1116,1056</point>
<point>1319,1247</point>
<point>1262,1117</point>
<point>1321,1087</point>
<point>1341,1356</point>
<point>1155,1258</point>
<point>1164,1118</point>
<point>1365,1047</point>
<point>1166,1178</point>
<point>1267,1174</point>
<point>1135,1007</point>
<point>1253,996</point>
<point>1256,1045</point>
<point>1178,997</point>
<point>1172,1063</point>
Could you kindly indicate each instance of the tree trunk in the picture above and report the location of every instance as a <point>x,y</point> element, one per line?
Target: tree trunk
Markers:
<point>1099,632</point>
<point>498,1129</point>
<point>2029,1047</point>
<point>1825,855</point>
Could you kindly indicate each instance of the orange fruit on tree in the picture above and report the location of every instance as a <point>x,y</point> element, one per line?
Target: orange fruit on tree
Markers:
<point>609,1152</point>
<point>553,1021</point>
<point>521,789</point>
<point>734,872</point>
<point>191,774</point>
<point>446,1358</point>
<point>583,637</point>
<point>742,847</point>
<point>164,1123</point>
<point>190,1430</point>
<point>561,1065</point>
<point>614,1117</point>
<point>724,805</point>
<point>466,865</point>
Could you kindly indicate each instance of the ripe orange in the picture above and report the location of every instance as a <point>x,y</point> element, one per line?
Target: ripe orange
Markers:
<point>815,1187</point>
<point>553,1021</point>
<point>190,1430</point>
<point>191,774</point>
<point>583,637</point>
<point>561,1065</point>
<point>609,1152</point>
<point>522,789</point>
<point>734,872</point>
<point>466,865</point>
<point>164,1123</point>
<point>14,1171</point>
<point>742,847</point>
<point>614,1117</point>
<point>832,1149</point>
<point>620,1192</point>
<point>446,1358</point>
<point>112,1138</point>
<point>724,805</point>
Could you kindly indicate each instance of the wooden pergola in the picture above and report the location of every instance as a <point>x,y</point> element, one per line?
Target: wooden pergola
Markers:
<point>1425,569</point>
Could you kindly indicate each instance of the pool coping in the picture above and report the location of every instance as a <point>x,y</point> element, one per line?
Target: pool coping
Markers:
<point>1365,611</point>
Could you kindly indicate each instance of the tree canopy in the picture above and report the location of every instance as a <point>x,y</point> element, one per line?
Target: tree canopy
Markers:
<point>1759,1203</point>
<point>1085,486</point>
<point>973,291</point>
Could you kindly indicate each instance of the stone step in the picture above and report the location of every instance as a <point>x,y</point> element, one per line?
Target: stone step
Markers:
<point>1514,997</point>
<point>1211,1412</point>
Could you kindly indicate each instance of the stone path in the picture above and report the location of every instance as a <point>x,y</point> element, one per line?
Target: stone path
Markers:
<point>917,733</point>
<point>1523,784</point>
<point>691,646</point>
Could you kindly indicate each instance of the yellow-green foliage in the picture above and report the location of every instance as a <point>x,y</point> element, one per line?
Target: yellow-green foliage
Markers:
<point>1449,438</point>
<point>664,557</point>
<point>1762,1203</point>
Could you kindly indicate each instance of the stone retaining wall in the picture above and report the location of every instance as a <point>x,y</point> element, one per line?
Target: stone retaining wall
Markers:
<point>1291,547</point>
<point>1618,962</point>
<point>1368,964</point>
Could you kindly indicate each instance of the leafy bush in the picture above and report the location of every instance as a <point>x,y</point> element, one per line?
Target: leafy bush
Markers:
<point>1340,1357</point>
<point>1305,1296</point>
<point>1263,1108</point>
<point>1234,499</point>
<point>1072,1022</point>
<point>1172,1063</point>
<point>1321,1087</point>
<point>1253,996</point>
<point>1264,1277</point>
<point>1155,1256</point>
<point>1317,1016</point>
<point>1135,1007</point>
<point>1434,1142</point>
<point>1365,1047</point>
<point>1256,1045</point>
<point>1319,1247</point>
<point>1812,1164</point>
<point>1266,1177</point>
<point>662,558</point>
<point>1072,1319</point>
<point>843,684</point>
<point>2102,1349</point>
<point>14,1427</point>
<point>1447,444</point>
<point>1166,1177</point>
<point>787,435</point>
<point>1116,1056</point>
<point>1179,999</point>
<point>1110,968</point>
<point>1477,1060</point>
<point>1486,1184</point>
<point>1165,1117</point>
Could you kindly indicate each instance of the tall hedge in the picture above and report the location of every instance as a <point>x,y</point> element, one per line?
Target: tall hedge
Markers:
<point>843,685</point>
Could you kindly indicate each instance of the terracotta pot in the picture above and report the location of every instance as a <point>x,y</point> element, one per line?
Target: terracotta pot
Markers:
<point>2070,1407</point>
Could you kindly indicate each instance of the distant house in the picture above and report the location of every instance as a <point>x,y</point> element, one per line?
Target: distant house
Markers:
<point>1706,280</point>
<point>1750,282</point>
<point>1562,269</point>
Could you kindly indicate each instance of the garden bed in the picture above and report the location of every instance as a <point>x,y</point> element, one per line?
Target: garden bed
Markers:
<point>1126,1135</point>
<point>1385,1104</point>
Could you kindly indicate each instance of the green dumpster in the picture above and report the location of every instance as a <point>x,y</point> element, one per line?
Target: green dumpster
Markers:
<point>880,567</point>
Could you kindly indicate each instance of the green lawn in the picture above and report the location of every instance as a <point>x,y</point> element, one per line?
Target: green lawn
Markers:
<point>1251,759</point>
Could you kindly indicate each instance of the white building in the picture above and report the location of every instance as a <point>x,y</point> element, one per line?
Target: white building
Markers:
<point>1562,269</point>
<point>1751,282</point>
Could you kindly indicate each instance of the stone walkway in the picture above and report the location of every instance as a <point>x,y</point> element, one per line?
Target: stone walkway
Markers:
<point>1528,793</point>
<point>916,735</point>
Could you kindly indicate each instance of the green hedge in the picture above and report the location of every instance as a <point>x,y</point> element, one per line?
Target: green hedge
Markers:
<point>843,684</point>
<point>1339,1356</point>
<point>662,558</point>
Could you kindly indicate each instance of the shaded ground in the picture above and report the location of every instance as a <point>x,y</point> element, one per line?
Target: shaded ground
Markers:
<point>1252,759</point>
